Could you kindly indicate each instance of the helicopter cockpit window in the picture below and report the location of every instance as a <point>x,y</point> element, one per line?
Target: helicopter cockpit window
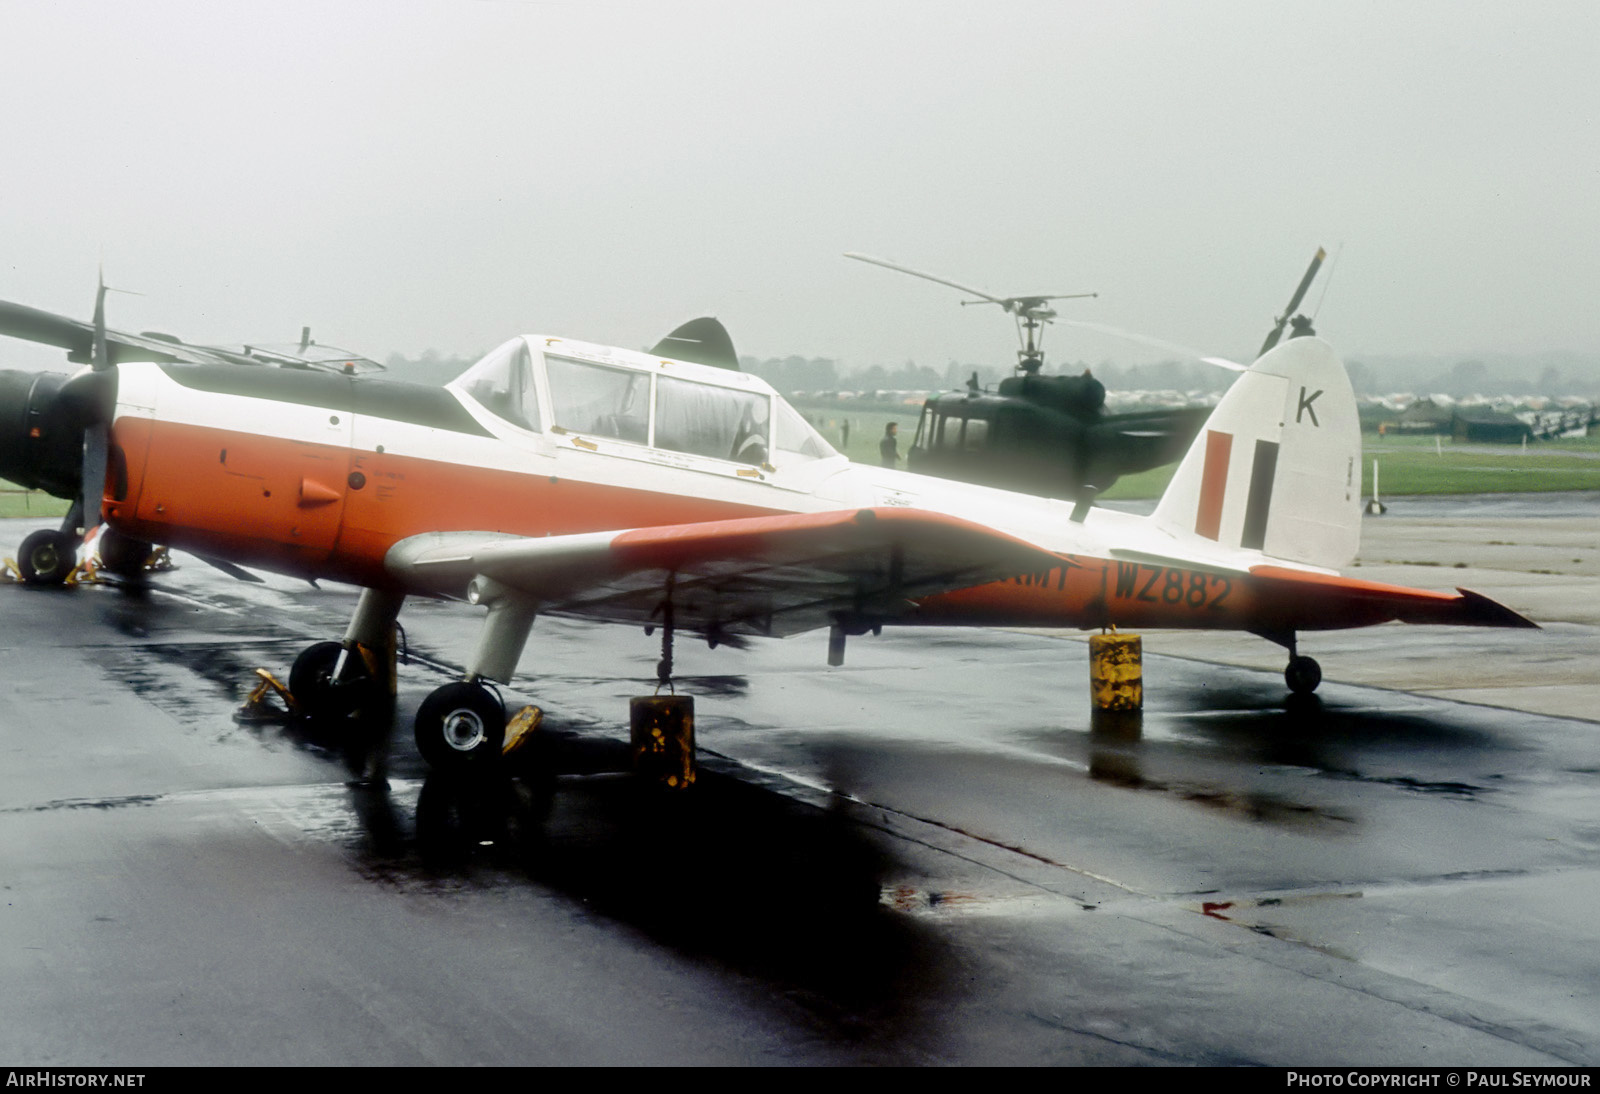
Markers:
<point>503,383</point>
<point>952,434</point>
<point>795,437</point>
<point>599,401</point>
<point>975,434</point>
<point>707,420</point>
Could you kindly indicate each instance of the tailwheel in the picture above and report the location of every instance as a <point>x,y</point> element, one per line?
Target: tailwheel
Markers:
<point>459,724</point>
<point>47,557</point>
<point>1302,675</point>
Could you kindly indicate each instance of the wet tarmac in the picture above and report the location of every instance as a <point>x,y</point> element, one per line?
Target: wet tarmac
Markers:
<point>929,855</point>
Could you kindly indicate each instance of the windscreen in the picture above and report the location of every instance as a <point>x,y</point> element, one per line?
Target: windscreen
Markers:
<point>503,383</point>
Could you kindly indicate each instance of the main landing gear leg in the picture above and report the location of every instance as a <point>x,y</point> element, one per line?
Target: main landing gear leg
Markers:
<point>463,724</point>
<point>1302,674</point>
<point>349,686</point>
<point>48,557</point>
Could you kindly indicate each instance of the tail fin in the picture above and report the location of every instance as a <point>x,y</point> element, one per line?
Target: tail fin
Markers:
<point>1277,467</point>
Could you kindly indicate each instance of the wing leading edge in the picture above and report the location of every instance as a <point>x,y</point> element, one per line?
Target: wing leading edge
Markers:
<point>771,575</point>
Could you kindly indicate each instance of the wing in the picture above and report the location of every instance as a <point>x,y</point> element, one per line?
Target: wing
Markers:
<point>772,575</point>
<point>77,338</point>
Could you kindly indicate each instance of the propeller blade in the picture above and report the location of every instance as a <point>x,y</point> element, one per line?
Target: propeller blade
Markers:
<point>92,485</point>
<point>93,489</point>
<point>99,358</point>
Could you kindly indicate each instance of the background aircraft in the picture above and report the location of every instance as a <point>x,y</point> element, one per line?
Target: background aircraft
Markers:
<point>1051,435</point>
<point>52,435</point>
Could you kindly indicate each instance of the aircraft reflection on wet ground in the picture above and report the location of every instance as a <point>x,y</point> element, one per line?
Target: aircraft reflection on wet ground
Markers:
<point>932,854</point>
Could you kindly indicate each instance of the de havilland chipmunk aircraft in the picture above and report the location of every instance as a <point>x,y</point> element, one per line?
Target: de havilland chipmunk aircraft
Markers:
<point>560,476</point>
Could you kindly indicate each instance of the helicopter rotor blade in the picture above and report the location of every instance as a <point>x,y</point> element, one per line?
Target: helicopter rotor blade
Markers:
<point>988,298</point>
<point>1174,348</point>
<point>1294,302</point>
<point>1028,306</point>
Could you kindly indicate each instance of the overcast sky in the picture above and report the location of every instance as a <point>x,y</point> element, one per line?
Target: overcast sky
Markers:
<point>445,173</point>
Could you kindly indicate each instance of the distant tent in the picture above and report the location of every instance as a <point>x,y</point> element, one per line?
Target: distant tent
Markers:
<point>1425,416</point>
<point>1487,425</point>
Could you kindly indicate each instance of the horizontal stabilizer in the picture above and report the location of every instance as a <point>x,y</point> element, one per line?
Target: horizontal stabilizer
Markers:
<point>1310,601</point>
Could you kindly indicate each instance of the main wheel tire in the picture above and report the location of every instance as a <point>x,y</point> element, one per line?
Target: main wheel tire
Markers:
<point>123,555</point>
<point>311,679</point>
<point>1302,675</point>
<point>46,557</point>
<point>460,724</point>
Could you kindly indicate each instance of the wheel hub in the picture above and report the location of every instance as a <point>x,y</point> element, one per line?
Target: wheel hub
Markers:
<point>463,730</point>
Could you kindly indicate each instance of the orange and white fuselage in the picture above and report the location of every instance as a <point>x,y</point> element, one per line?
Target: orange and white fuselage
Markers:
<point>321,475</point>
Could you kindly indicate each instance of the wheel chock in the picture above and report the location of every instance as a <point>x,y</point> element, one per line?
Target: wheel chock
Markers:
<point>258,706</point>
<point>84,573</point>
<point>160,561</point>
<point>9,574</point>
<point>520,729</point>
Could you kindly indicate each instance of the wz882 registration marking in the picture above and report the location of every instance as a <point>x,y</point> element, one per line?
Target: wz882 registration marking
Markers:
<point>1169,585</point>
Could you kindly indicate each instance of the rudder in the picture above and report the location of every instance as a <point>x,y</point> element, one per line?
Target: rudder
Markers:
<point>1277,467</point>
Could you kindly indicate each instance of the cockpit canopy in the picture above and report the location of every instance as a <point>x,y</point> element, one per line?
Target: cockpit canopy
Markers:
<point>597,392</point>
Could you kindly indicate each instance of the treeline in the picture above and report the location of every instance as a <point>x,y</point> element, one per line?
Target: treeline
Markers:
<point>1549,375</point>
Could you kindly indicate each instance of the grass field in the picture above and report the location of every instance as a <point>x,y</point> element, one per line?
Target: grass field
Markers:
<point>1419,465</point>
<point>17,502</point>
<point>1406,465</point>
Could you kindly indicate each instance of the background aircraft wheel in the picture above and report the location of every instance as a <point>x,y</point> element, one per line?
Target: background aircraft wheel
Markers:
<point>1303,675</point>
<point>47,557</point>
<point>311,680</point>
<point>123,555</point>
<point>460,723</point>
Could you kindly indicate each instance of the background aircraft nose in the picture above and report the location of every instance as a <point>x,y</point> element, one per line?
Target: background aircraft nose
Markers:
<point>42,420</point>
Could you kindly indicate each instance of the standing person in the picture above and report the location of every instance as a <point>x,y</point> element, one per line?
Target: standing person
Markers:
<point>889,447</point>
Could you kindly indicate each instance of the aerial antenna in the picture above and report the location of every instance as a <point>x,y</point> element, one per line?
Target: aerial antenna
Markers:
<point>1031,311</point>
<point>1327,282</point>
